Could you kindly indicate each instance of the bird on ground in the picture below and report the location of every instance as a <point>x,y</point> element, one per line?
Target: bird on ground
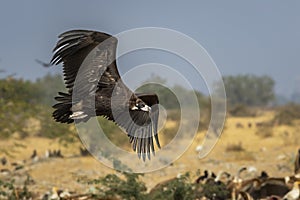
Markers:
<point>34,154</point>
<point>3,160</point>
<point>95,88</point>
<point>297,163</point>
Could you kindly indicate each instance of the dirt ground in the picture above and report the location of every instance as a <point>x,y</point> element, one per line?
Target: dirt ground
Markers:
<point>273,153</point>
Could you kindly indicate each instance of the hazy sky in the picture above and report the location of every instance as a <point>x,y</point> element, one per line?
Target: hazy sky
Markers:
<point>257,37</point>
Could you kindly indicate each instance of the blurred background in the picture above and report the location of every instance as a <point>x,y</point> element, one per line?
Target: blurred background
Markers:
<point>254,44</point>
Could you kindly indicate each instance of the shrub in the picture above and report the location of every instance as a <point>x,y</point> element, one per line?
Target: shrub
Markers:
<point>235,147</point>
<point>264,132</point>
<point>287,114</point>
<point>8,190</point>
<point>176,188</point>
<point>217,191</point>
<point>113,187</point>
<point>241,110</point>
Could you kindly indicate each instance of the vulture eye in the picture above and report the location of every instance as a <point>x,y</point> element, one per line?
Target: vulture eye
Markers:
<point>140,105</point>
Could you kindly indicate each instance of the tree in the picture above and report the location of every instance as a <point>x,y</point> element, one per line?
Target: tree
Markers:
<point>22,100</point>
<point>49,86</point>
<point>167,95</point>
<point>248,89</point>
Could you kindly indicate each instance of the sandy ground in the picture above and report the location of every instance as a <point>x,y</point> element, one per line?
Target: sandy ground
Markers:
<point>274,154</point>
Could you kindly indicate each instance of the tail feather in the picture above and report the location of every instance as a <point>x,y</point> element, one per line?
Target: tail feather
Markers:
<point>63,108</point>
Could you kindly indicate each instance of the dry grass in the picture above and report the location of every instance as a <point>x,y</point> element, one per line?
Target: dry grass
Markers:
<point>264,132</point>
<point>248,149</point>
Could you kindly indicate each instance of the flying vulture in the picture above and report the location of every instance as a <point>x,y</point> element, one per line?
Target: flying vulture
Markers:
<point>96,89</point>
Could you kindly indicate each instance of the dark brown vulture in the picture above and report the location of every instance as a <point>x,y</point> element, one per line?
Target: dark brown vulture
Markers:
<point>96,88</point>
<point>297,163</point>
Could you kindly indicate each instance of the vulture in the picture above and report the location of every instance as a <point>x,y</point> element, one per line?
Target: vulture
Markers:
<point>297,163</point>
<point>95,88</point>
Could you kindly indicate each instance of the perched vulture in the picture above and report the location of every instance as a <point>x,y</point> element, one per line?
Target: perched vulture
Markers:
<point>96,89</point>
<point>297,163</point>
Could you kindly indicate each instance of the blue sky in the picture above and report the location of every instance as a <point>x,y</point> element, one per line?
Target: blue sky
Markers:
<point>257,37</point>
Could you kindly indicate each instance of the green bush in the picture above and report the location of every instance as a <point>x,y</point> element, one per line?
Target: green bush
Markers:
<point>217,191</point>
<point>177,188</point>
<point>8,190</point>
<point>113,187</point>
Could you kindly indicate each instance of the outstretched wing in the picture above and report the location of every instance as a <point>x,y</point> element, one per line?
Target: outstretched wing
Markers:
<point>140,125</point>
<point>85,63</point>
<point>92,79</point>
<point>152,101</point>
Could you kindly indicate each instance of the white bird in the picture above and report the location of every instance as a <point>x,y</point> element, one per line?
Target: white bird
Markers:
<point>199,148</point>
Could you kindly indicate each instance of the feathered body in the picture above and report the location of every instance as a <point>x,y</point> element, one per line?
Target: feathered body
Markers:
<point>95,88</point>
